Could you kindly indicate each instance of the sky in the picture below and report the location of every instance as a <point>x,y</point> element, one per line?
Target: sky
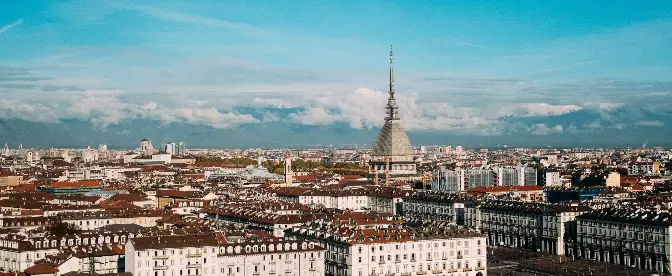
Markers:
<point>466,68</point>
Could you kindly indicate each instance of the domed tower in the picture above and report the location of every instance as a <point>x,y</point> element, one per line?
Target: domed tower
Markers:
<point>392,152</point>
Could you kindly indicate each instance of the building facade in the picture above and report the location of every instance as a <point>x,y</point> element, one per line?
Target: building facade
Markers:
<point>205,254</point>
<point>626,236</point>
<point>407,251</point>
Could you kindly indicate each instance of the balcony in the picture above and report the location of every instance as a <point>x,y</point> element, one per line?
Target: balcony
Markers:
<point>467,269</point>
<point>194,266</point>
<point>381,262</point>
<point>436,271</point>
<point>160,257</point>
<point>406,274</point>
<point>451,270</point>
<point>194,255</point>
<point>420,273</point>
<point>397,261</point>
<point>480,268</point>
<point>161,267</point>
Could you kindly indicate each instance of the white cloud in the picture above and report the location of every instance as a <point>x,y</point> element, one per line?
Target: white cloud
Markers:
<point>34,112</point>
<point>196,94</point>
<point>594,125</point>
<point>542,129</point>
<point>206,116</point>
<point>11,25</point>
<point>538,109</point>
<point>650,123</point>
<point>609,106</point>
<point>271,102</point>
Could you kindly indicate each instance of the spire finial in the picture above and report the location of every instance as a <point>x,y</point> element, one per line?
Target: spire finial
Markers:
<point>391,75</point>
<point>391,107</point>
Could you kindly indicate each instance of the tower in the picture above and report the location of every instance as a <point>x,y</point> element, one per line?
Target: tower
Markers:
<point>392,151</point>
<point>289,175</point>
<point>146,147</point>
<point>260,161</point>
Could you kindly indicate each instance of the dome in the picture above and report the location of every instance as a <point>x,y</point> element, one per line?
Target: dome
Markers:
<point>392,140</point>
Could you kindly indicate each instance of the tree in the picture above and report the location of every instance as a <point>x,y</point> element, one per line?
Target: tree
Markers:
<point>58,227</point>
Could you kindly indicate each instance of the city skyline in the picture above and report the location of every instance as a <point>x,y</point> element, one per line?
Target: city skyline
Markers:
<point>215,73</point>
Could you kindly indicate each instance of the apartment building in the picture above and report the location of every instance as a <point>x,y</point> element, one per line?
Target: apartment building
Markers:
<point>461,179</point>
<point>559,226</point>
<point>627,236</point>
<point>435,206</point>
<point>18,253</point>
<point>513,223</point>
<point>401,250</point>
<point>210,254</point>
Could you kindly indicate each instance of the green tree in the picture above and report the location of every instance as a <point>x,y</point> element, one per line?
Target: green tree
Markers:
<point>58,227</point>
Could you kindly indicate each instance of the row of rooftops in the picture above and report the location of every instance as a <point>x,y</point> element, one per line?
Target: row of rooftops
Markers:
<point>209,240</point>
<point>259,215</point>
<point>630,214</point>
<point>88,238</point>
<point>394,233</point>
<point>107,214</point>
<point>342,191</point>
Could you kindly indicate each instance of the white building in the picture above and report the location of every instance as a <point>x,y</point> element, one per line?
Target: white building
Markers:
<point>553,179</point>
<point>117,172</point>
<point>146,147</point>
<point>206,254</point>
<point>462,179</point>
<point>399,251</point>
<point>171,148</point>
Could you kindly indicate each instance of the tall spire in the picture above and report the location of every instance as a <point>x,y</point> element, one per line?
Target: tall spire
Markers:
<point>392,109</point>
<point>391,75</point>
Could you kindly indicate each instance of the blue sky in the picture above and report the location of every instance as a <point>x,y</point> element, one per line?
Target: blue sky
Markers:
<point>465,67</point>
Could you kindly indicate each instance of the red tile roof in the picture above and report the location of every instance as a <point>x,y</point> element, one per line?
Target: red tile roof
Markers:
<point>41,269</point>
